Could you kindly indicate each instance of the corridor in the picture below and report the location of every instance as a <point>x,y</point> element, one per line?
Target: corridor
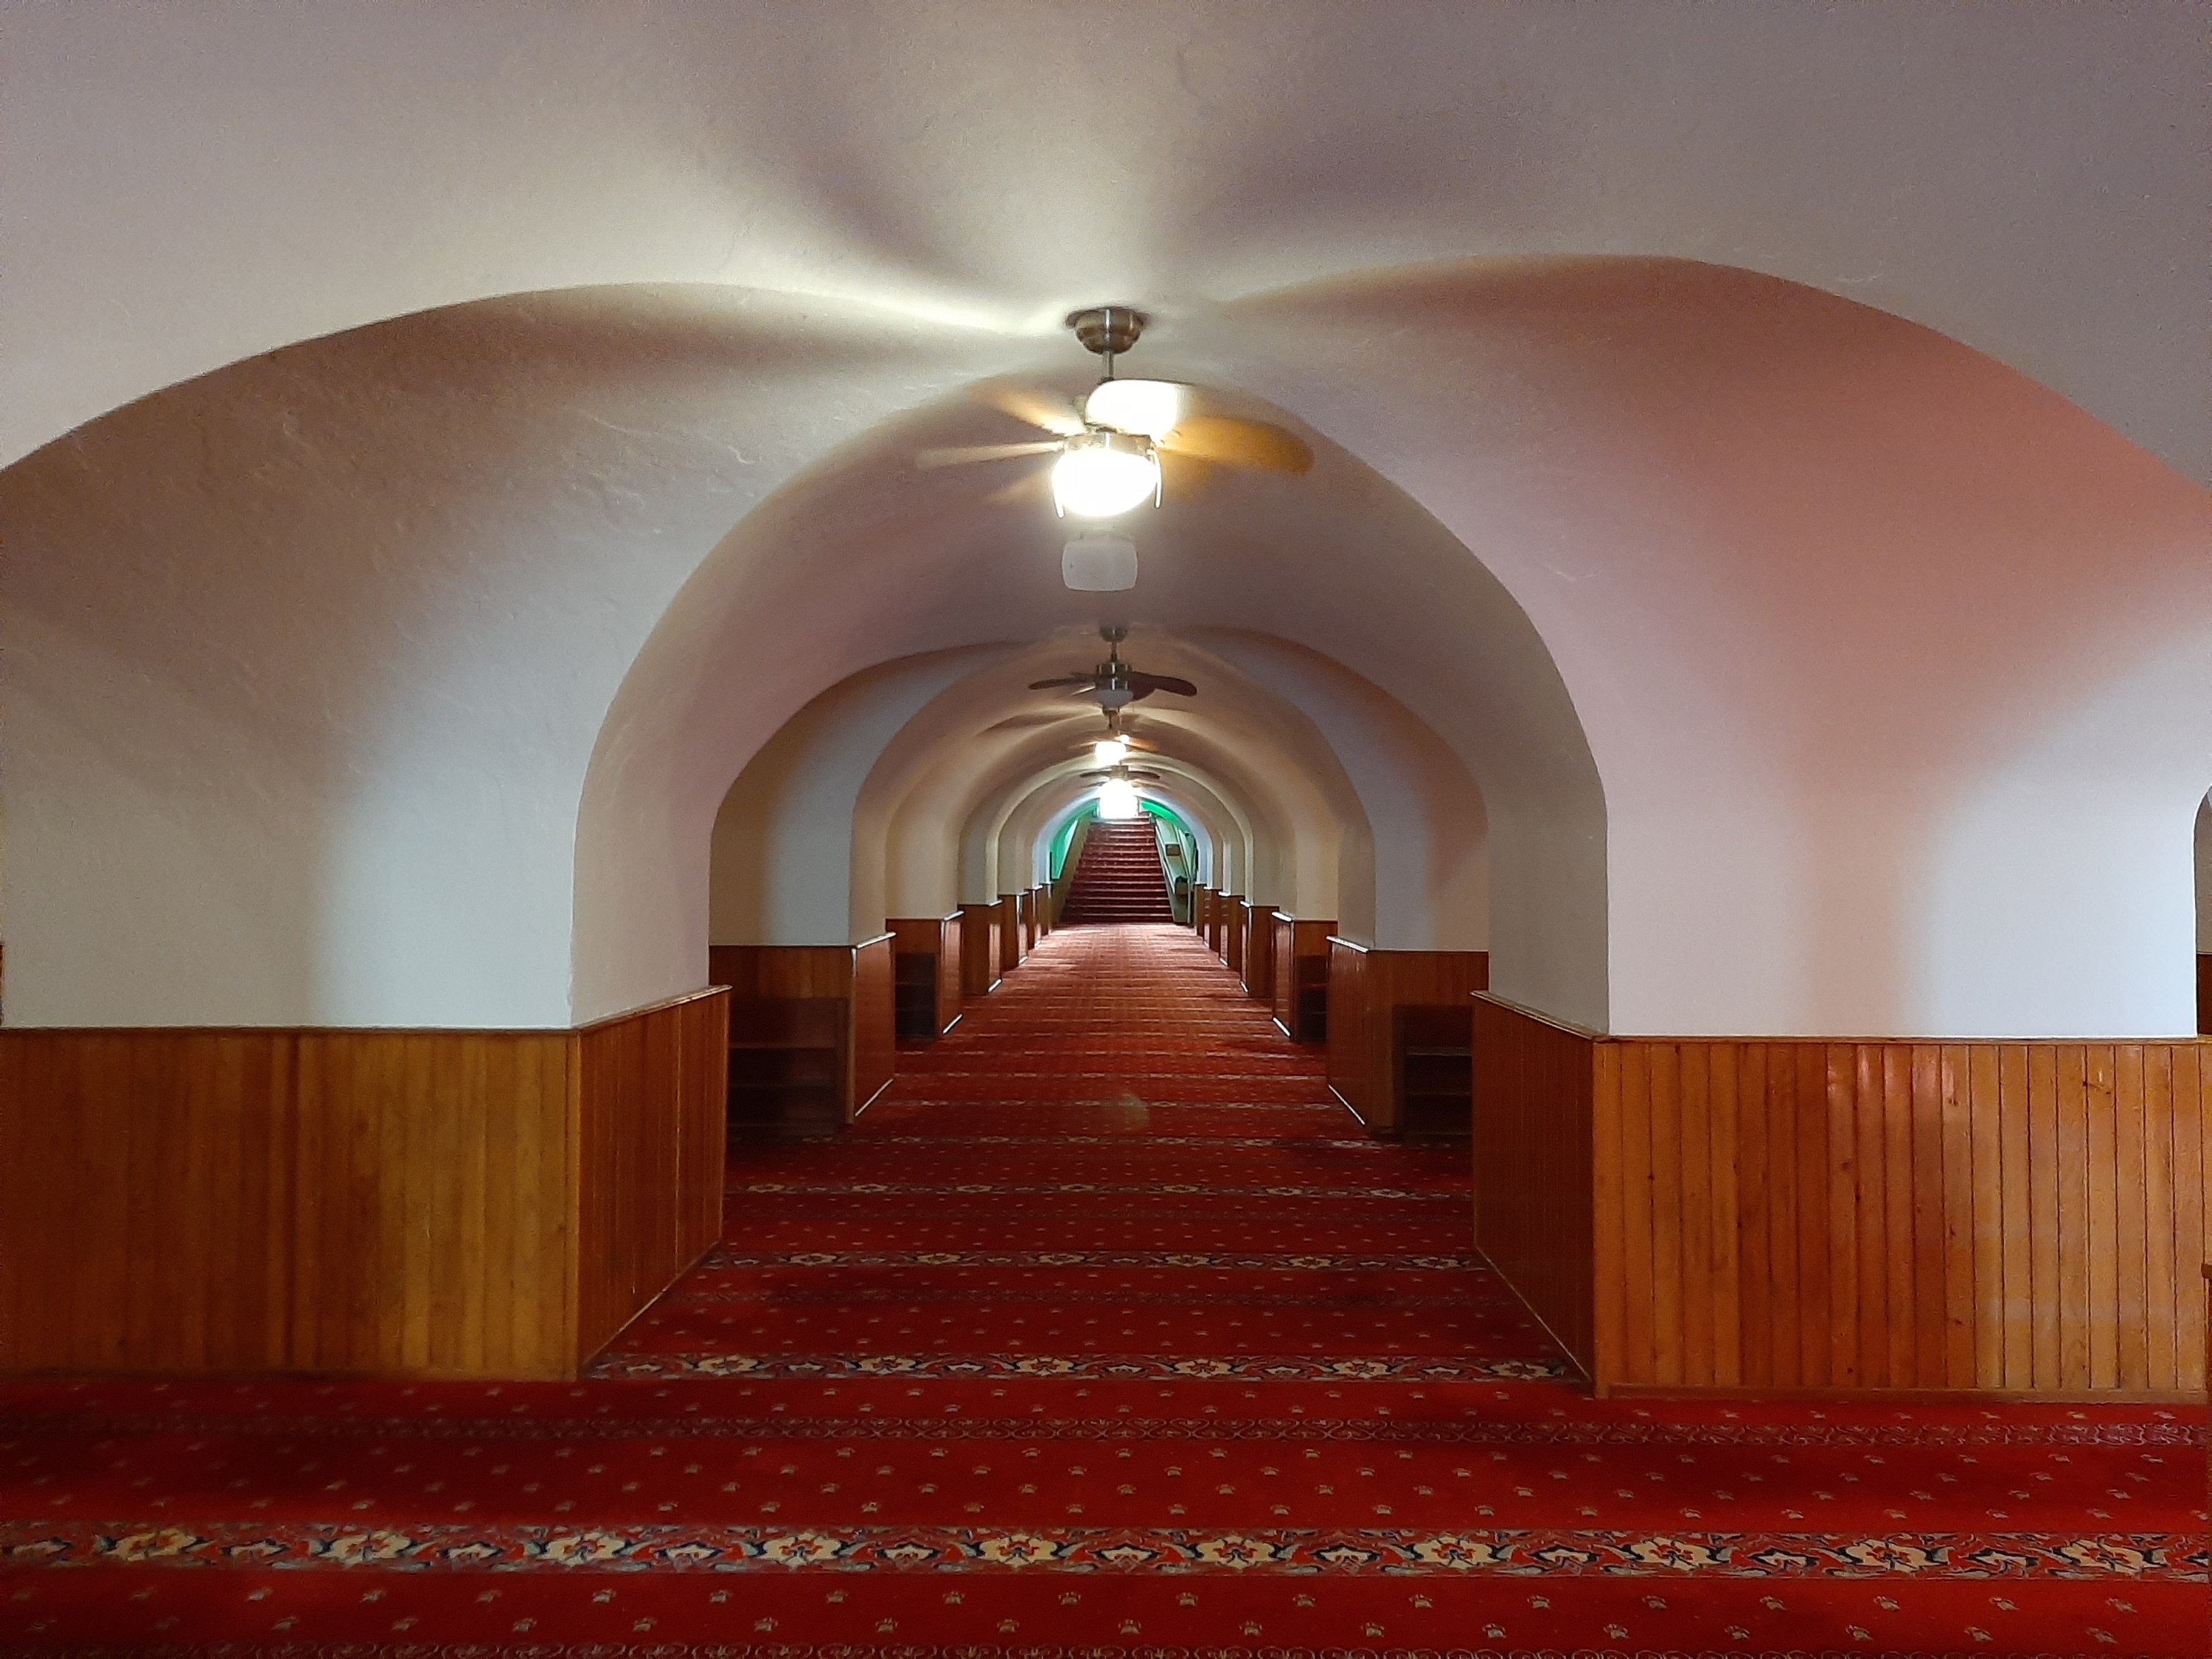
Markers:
<point>1105,1327</point>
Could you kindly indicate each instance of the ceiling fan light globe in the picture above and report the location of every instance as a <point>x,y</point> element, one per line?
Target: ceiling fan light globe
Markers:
<point>1108,751</point>
<point>1103,475</point>
<point>1115,696</point>
<point>1152,407</point>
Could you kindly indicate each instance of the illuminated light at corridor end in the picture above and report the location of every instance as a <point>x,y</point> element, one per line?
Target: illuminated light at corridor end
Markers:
<point>1108,751</point>
<point>1117,799</point>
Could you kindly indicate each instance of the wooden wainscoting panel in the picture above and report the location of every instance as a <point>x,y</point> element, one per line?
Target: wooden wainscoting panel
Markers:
<point>1364,1066</point>
<point>1009,933</point>
<point>875,1024</point>
<point>979,949</point>
<point>1281,976</point>
<point>1233,910</point>
<point>2025,1216</point>
<point>651,1110</point>
<point>1348,1020</point>
<point>1545,1216</point>
<point>1259,950</point>
<point>396,1203</point>
<point>949,993</point>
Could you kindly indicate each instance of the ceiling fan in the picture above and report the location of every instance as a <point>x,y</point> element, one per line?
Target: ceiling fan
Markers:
<point>1113,682</point>
<point>1109,449</point>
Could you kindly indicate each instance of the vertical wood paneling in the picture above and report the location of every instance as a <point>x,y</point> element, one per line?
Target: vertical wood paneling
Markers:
<point>650,1126</point>
<point>949,946</point>
<point>1366,988</point>
<point>1534,1125</point>
<point>1349,1015</point>
<point>875,1020</point>
<point>1010,932</point>
<point>271,1200</point>
<point>2017,1216</point>
<point>979,949</point>
<point>1259,952</point>
<point>388,1203</point>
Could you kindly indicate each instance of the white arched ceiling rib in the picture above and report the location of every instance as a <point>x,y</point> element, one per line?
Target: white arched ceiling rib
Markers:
<point>1304,823</point>
<point>1041,816</point>
<point>1040,805</point>
<point>1246,818</point>
<point>791,863</point>
<point>1427,822</point>
<point>1025,833</point>
<point>1829,588</point>
<point>309,668</point>
<point>203,184</point>
<point>304,662</point>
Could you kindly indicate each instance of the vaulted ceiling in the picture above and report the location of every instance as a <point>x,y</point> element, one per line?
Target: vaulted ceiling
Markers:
<point>454,441</point>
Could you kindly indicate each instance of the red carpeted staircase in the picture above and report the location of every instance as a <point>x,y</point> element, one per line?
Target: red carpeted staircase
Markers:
<point>1119,877</point>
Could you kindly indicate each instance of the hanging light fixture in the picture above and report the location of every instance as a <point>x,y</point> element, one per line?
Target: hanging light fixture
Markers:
<point>1110,751</point>
<point>1117,799</point>
<point>1102,475</point>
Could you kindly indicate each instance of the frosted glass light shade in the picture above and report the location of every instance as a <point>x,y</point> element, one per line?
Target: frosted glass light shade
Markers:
<point>1102,475</point>
<point>1117,799</point>
<point>1152,407</point>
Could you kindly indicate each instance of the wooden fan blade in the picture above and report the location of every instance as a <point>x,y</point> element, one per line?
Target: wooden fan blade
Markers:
<point>1027,488</point>
<point>928,459</point>
<point>1144,684</point>
<point>1233,442</point>
<point>1084,680</point>
<point>1042,409</point>
<point>1030,722</point>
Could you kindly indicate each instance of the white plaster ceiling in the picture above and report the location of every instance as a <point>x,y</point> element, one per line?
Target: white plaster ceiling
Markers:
<point>186,186</point>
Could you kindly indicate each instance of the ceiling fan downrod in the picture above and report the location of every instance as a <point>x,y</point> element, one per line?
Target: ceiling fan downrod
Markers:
<point>1109,331</point>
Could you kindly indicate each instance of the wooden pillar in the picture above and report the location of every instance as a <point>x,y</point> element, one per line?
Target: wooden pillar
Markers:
<point>979,950</point>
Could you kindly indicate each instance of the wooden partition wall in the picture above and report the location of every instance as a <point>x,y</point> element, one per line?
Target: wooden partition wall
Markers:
<point>1041,900</point>
<point>370,1203</point>
<point>862,976</point>
<point>979,950</point>
<point>1533,1171</point>
<point>925,971</point>
<point>1366,989</point>
<point>1259,950</point>
<point>1301,976</point>
<point>652,1144</point>
<point>1233,933</point>
<point>1009,933</point>
<point>2015,1216</point>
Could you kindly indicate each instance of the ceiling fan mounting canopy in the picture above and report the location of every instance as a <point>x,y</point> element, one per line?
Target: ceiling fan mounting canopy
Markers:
<point>1110,330</point>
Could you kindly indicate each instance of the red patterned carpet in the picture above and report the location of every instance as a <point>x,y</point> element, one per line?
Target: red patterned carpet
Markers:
<point>1104,1332</point>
